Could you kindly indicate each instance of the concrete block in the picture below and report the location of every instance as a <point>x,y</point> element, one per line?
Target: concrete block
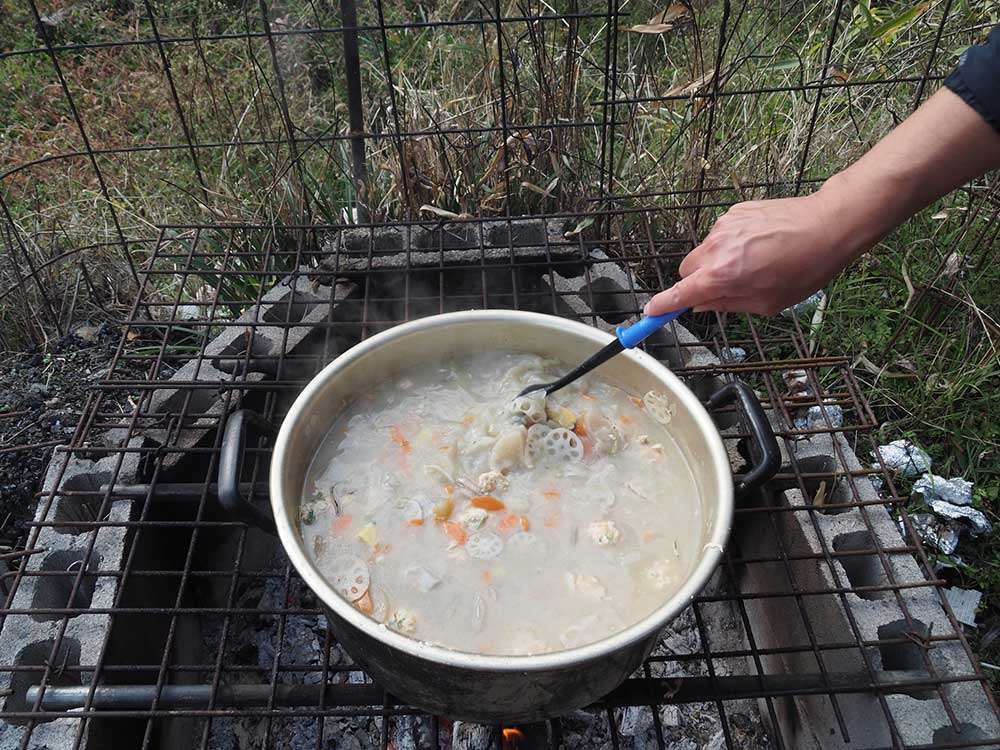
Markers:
<point>28,639</point>
<point>351,251</point>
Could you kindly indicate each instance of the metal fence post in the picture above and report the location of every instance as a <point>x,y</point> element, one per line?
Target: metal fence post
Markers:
<point>355,111</point>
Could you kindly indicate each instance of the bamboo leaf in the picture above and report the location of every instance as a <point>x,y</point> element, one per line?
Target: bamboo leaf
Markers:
<point>865,6</point>
<point>443,212</point>
<point>685,89</point>
<point>584,223</point>
<point>661,22</point>
<point>889,28</point>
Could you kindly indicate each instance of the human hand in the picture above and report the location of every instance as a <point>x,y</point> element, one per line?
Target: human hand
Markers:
<point>760,257</point>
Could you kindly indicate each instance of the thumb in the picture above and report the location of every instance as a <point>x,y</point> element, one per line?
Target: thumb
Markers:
<point>688,292</point>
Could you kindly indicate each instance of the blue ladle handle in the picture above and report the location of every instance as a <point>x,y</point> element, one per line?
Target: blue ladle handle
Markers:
<point>631,336</point>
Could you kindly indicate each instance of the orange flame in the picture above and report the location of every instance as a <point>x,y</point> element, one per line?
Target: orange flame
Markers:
<point>512,737</point>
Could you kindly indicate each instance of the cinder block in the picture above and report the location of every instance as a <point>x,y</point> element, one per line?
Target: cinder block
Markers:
<point>382,248</point>
<point>29,639</point>
<point>266,333</point>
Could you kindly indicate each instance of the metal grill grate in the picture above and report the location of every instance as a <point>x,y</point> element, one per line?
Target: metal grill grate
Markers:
<point>818,625</point>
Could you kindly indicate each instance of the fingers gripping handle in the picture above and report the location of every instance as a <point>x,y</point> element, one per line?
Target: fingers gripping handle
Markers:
<point>631,336</point>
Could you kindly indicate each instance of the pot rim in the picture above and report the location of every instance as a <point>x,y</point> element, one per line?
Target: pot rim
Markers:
<point>647,626</point>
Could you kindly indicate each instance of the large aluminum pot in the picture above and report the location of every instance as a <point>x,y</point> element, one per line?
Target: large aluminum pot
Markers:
<point>471,686</point>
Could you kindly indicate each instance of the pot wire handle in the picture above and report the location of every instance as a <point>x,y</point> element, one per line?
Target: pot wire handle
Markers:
<point>769,456</point>
<point>230,462</point>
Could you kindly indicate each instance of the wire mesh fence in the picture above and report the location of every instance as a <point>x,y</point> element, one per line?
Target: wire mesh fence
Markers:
<point>127,116</point>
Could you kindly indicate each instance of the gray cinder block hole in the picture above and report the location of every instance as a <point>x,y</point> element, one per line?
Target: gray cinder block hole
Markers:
<point>69,509</point>
<point>387,239</point>
<point>53,591</point>
<point>290,310</point>
<point>193,402</point>
<point>822,465</point>
<point>862,570</point>
<point>905,655</point>
<point>968,733</point>
<point>234,358</point>
<point>519,234</point>
<point>610,301</point>
<point>35,656</point>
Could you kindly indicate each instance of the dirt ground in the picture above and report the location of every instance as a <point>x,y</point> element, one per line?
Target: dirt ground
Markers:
<point>41,398</point>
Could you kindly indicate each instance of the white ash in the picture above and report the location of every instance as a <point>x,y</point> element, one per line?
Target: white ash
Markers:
<point>410,732</point>
<point>956,491</point>
<point>467,735</point>
<point>689,726</point>
<point>254,639</point>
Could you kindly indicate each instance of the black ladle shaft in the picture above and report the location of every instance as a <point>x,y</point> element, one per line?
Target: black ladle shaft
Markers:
<point>596,360</point>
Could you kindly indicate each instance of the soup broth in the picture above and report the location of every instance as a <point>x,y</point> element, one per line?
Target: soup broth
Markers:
<point>447,509</point>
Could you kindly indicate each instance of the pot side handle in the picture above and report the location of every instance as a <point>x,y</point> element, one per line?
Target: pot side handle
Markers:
<point>230,462</point>
<point>767,454</point>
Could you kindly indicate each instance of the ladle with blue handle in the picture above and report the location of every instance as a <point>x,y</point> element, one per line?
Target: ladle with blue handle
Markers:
<point>628,337</point>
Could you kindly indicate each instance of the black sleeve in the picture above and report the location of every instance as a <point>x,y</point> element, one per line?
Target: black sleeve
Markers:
<point>977,78</point>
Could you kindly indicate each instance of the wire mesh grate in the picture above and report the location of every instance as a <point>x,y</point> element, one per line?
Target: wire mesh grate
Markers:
<point>777,633</point>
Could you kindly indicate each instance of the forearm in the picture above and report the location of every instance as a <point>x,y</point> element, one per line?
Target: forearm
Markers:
<point>762,256</point>
<point>941,146</point>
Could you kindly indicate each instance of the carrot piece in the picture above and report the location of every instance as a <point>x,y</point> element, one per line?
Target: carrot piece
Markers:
<point>365,603</point>
<point>636,401</point>
<point>416,522</point>
<point>487,502</point>
<point>487,576</point>
<point>507,524</point>
<point>551,494</point>
<point>579,428</point>
<point>511,523</point>
<point>455,532</point>
<point>551,520</point>
<point>399,439</point>
<point>340,524</point>
<point>625,419</point>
